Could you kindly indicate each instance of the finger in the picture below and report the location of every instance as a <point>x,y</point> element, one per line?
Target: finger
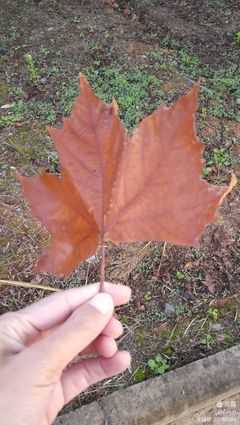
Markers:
<point>80,376</point>
<point>53,353</point>
<point>104,346</point>
<point>114,328</point>
<point>56,308</point>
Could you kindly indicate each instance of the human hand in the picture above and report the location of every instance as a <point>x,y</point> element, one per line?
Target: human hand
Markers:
<point>38,343</point>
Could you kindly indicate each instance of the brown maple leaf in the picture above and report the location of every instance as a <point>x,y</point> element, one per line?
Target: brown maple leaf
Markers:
<point>210,284</point>
<point>120,188</point>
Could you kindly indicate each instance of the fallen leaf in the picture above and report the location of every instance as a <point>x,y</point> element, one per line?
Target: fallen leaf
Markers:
<point>138,304</point>
<point>221,302</point>
<point>119,188</point>
<point>111,3</point>
<point>210,284</point>
<point>189,265</point>
<point>188,287</point>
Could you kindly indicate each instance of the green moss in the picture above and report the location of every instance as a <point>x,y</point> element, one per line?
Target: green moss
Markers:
<point>139,374</point>
<point>142,337</point>
<point>229,340</point>
<point>4,91</point>
<point>31,144</point>
<point>173,335</point>
<point>228,309</point>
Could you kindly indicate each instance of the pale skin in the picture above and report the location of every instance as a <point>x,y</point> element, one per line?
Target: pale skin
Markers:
<point>39,343</point>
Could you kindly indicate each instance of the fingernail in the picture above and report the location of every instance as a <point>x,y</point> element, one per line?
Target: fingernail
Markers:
<point>102,302</point>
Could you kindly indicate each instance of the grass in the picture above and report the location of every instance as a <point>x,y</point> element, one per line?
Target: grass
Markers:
<point>137,88</point>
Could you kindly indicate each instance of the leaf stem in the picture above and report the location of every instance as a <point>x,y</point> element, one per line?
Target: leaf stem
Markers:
<point>102,268</point>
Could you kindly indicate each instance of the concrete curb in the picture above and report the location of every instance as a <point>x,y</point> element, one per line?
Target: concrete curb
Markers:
<point>167,398</point>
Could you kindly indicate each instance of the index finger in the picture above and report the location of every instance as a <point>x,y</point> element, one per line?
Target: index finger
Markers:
<point>56,308</point>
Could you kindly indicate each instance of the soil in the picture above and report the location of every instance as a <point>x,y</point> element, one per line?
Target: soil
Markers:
<point>202,286</point>
<point>206,27</point>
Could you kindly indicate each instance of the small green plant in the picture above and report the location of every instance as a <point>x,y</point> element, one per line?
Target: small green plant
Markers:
<point>148,296</point>
<point>208,340</point>
<point>76,20</point>
<point>158,365</point>
<point>34,73</point>
<point>91,29</point>
<point>180,275</point>
<point>213,313</point>
<point>139,374</point>
<point>203,112</point>
<point>238,37</point>
<point>124,319</point>
<point>206,171</point>
<point>220,157</point>
<point>179,309</point>
<point>43,52</point>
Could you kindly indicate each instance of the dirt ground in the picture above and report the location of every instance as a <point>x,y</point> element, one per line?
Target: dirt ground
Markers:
<point>143,53</point>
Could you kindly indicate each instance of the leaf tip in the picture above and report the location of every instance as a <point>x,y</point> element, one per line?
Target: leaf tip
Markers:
<point>115,105</point>
<point>83,81</point>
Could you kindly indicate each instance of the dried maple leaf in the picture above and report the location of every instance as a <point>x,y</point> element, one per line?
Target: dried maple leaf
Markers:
<point>210,284</point>
<point>113,187</point>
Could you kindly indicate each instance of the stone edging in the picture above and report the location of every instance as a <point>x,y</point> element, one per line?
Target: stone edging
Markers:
<point>167,398</point>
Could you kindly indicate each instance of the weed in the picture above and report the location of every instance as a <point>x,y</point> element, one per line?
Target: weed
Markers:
<point>19,93</point>
<point>190,62</point>
<point>156,315</point>
<point>209,341</point>
<point>238,37</point>
<point>228,340</point>
<point>34,73</point>
<point>180,275</point>
<point>179,309</point>
<point>4,91</point>
<point>8,120</point>
<point>43,111</point>
<point>91,29</point>
<point>148,296</point>
<point>43,52</point>
<point>203,112</point>
<point>130,90</point>
<point>53,161</point>
<point>14,34</point>
<point>220,157</point>
<point>139,374</point>
<point>76,20</point>
<point>142,336</point>
<point>213,313</point>
<point>125,319</point>
<point>206,171</point>
<point>158,365</point>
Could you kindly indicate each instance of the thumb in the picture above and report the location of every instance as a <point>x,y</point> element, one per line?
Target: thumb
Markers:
<point>83,326</point>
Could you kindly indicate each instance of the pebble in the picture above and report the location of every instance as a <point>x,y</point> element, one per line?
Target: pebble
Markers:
<point>3,50</point>
<point>44,80</point>
<point>216,326</point>
<point>187,295</point>
<point>169,309</point>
